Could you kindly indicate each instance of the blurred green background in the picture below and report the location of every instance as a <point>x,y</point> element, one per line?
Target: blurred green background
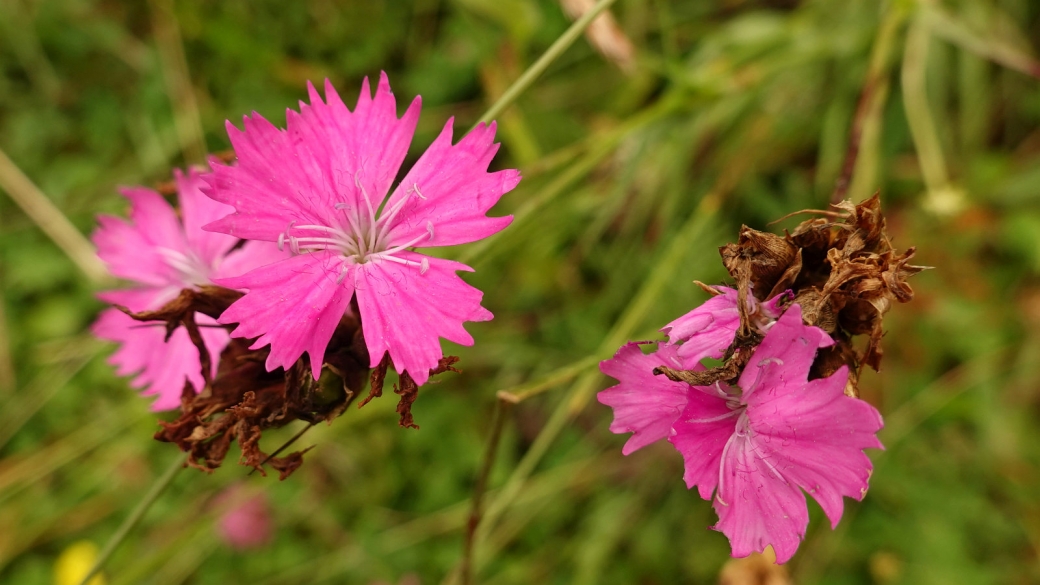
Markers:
<point>643,147</point>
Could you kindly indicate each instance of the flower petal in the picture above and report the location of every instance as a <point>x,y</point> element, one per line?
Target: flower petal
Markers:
<point>252,254</point>
<point>708,330</point>
<point>140,299</point>
<point>815,438</point>
<point>270,187</point>
<point>294,305</point>
<point>756,506</point>
<point>162,367</point>
<point>797,433</point>
<point>700,435</point>
<point>328,156</point>
<point>449,192</point>
<point>131,249</point>
<point>198,210</point>
<point>780,364</point>
<point>644,404</point>
<point>405,310</point>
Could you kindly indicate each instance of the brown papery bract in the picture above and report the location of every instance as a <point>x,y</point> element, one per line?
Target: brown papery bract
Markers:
<point>244,399</point>
<point>844,273</point>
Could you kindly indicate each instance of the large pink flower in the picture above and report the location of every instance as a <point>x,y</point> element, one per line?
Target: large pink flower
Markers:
<point>321,188</point>
<point>162,255</point>
<point>759,446</point>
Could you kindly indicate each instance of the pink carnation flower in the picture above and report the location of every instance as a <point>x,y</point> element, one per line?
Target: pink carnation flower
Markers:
<point>162,255</point>
<point>247,522</point>
<point>321,188</point>
<point>708,330</point>
<point>759,447</point>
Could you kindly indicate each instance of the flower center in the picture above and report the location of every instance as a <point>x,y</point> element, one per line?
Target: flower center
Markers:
<point>191,270</point>
<point>359,236</point>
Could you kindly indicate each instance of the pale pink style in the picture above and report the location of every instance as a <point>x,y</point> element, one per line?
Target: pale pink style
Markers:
<point>321,189</point>
<point>161,255</point>
<point>759,447</point>
<point>708,330</point>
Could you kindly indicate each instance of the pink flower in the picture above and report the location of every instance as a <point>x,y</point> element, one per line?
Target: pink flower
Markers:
<point>321,188</point>
<point>708,330</point>
<point>162,256</point>
<point>246,523</point>
<point>757,446</point>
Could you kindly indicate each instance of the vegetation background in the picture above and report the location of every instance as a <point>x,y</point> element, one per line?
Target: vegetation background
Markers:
<point>640,158</point>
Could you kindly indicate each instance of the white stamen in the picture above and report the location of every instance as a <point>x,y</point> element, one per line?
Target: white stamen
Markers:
<point>371,211</point>
<point>429,228</point>
<point>424,266</point>
<point>281,241</point>
<point>415,188</point>
<point>715,418</point>
<point>342,273</point>
<point>391,258</point>
<point>724,457</point>
<point>386,218</point>
<point>403,246</point>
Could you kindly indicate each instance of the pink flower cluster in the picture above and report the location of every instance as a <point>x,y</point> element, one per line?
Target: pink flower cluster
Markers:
<point>162,254</point>
<point>756,445</point>
<point>323,227</point>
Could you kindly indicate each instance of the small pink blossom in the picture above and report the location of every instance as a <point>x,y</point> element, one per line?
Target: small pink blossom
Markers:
<point>322,189</point>
<point>161,255</point>
<point>708,330</point>
<point>756,446</point>
<point>246,523</point>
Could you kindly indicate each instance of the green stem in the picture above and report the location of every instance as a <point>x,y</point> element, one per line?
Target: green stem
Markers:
<point>497,422</point>
<point>135,517</point>
<point>562,44</point>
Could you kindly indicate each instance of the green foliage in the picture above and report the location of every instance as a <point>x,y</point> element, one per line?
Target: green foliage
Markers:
<point>735,112</point>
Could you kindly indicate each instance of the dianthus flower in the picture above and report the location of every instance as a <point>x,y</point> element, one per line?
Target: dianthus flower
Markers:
<point>163,255</point>
<point>321,189</point>
<point>758,444</point>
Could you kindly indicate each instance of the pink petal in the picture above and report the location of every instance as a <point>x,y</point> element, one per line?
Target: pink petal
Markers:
<point>294,305</point>
<point>405,311</point>
<point>708,330</point>
<point>370,141</point>
<point>155,218</point>
<point>772,308</point>
<point>327,156</point>
<point>781,362</point>
<point>644,404</point>
<point>198,210</point>
<point>162,367</point>
<point>253,254</point>
<point>701,434</point>
<point>140,299</point>
<point>756,506</point>
<point>449,192</point>
<point>268,187</point>
<point>127,254</point>
<point>815,438</point>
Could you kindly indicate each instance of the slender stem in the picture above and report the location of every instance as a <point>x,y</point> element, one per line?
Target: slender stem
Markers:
<point>871,98</point>
<point>284,446</point>
<point>51,220</point>
<point>585,386</point>
<point>564,374</point>
<point>562,44</point>
<point>497,422</point>
<point>135,517</point>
